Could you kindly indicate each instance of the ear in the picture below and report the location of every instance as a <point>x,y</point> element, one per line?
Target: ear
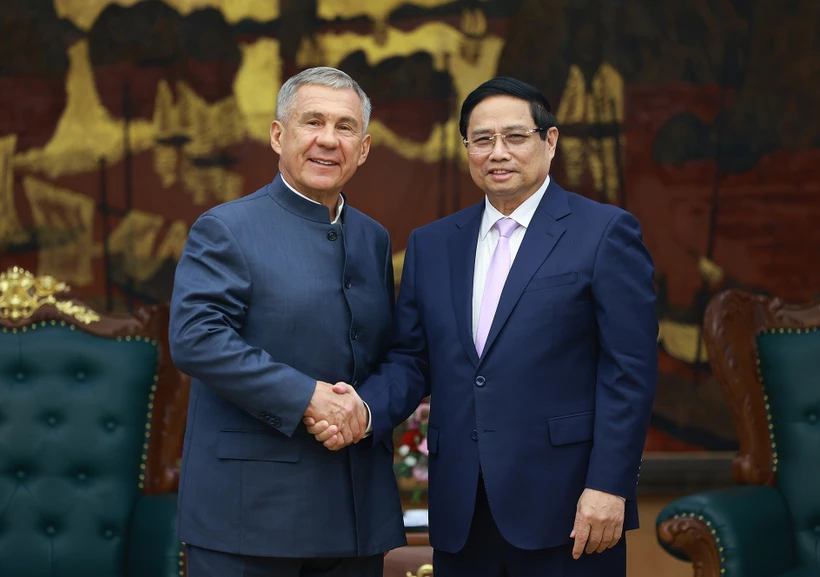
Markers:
<point>276,130</point>
<point>552,141</point>
<point>365,149</point>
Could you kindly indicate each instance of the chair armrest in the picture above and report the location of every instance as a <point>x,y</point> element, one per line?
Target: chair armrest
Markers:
<point>154,549</point>
<point>737,532</point>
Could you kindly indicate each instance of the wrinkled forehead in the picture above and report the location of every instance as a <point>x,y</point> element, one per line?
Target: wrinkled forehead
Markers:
<point>328,102</point>
<point>500,114</point>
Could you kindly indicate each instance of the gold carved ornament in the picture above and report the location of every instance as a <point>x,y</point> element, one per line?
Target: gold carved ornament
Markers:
<point>22,294</point>
<point>424,571</point>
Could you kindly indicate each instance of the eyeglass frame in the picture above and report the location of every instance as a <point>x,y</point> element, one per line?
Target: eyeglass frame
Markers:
<point>503,136</point>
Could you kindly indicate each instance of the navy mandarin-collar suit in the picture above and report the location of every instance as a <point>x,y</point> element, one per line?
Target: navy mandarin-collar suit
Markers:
<point>269,298</point>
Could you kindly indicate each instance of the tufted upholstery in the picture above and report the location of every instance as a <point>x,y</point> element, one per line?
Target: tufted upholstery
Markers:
<point>73,412</point>
<point>766,356</point>
<point>790,373</point>
<point>81,490</point>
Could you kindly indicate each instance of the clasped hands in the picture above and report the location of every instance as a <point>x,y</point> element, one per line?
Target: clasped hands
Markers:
<point>336,415</point>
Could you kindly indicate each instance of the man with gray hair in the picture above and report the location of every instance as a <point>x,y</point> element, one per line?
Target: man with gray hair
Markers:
<point>277,295</point>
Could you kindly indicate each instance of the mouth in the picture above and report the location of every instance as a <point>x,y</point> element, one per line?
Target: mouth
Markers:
<point>322,162</point>
<point>500,174</point>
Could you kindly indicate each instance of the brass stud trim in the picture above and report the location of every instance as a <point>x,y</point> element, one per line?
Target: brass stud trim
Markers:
<point>149,412</point>
<point>712,531</point>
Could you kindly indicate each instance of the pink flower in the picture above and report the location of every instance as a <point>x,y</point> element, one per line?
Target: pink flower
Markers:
<point>420,473</point>
<point>419,416</point>
<point>422,447</point>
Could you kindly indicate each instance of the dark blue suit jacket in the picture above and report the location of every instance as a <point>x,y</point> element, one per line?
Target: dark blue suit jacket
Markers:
<point>268,298</point>
<point>560,399</point>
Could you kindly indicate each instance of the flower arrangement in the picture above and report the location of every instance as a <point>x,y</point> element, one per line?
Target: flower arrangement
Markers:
<point>410,459</point>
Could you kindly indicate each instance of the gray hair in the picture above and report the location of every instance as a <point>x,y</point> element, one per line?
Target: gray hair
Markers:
<point>321,76</point>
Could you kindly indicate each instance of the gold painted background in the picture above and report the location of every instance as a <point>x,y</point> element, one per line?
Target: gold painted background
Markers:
<point>126,119</point>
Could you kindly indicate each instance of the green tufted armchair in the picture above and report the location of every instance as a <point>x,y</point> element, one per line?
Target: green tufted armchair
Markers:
<point>92,416</point>
<point>766,357</point>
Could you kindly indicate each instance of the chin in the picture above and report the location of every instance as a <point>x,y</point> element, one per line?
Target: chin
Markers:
<point>506,189</point>
<point>322,183</point>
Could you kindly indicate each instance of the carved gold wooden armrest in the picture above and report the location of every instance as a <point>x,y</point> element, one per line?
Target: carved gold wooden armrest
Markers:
<point>424,571</point>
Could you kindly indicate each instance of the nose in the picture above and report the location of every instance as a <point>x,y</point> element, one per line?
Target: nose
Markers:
<point>327,137</point>
<point>500,151</point>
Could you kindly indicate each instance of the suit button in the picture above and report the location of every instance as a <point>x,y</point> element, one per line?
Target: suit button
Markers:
<point>263,415</point>
<point>276,422</point>
<point>474,436</point>
<point>348,284</point>
<point>331,235</point>
<point>354,335</point>
<point>479,381</point>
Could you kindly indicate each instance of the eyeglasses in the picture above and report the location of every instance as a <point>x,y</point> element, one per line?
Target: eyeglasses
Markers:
<point>513,140</point>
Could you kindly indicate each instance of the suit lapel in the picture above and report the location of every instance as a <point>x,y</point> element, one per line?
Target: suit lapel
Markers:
<point>542,235</point>
<point>462,247</point>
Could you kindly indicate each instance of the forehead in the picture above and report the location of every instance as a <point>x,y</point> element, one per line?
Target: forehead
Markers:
<point>328,101</point>
<point>497,111</point>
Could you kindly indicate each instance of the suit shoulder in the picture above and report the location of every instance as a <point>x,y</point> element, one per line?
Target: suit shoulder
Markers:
<point>447,223</point>
<point>589,208</point>
<point>227,211</point>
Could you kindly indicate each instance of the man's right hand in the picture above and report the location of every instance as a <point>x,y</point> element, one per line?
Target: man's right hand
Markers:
<point>342,414</point>
<point>327,433</point>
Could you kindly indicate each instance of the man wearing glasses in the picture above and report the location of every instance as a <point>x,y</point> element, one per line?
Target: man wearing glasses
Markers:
<point>531,320</point>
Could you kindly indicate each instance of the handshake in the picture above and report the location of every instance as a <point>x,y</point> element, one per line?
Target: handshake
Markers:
<point>336,415</point>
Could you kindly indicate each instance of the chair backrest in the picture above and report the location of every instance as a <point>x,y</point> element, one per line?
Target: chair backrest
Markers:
<point>766,357</point>
<point>91,416</point>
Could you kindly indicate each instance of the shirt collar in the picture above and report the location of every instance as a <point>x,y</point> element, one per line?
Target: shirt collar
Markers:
<point>522,215</point>
<point>339,204</point>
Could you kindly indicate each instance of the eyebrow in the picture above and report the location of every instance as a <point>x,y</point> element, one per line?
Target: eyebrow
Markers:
<point>316,114</point>
<point>482,131</point>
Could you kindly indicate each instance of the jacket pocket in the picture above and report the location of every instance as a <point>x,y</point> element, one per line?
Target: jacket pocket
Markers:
<point>256,446</point>
<point>546,282</point>
<point>432,440</point>
<point>572,428</point>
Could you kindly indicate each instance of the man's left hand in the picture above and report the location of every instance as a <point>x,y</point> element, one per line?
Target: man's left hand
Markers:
<point>599,522</point>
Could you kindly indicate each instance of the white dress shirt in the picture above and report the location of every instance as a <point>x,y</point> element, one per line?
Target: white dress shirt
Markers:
<point>339,204</point>
<point>488,239</point>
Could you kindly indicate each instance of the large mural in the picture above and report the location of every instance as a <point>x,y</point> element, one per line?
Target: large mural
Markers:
<point>123,120</point>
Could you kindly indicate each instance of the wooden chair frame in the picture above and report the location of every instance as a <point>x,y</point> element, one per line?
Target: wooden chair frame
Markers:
<point>732,322</point>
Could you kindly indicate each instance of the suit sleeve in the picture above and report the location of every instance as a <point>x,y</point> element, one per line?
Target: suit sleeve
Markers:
<point>393,392</point>
<point>389,279</point>
<point>624,296</point>
<point>211,296</point>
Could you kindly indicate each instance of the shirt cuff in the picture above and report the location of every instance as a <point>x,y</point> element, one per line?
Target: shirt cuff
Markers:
<point>369,430</point>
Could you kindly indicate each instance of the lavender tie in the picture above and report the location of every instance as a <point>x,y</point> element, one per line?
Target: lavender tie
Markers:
<point>496,277</point>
